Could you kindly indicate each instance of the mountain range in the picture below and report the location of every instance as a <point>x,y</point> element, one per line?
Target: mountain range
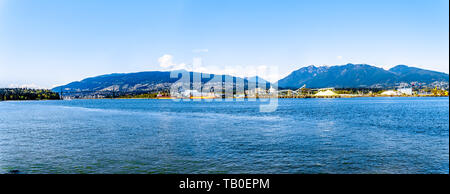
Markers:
<point>359,76</point>
<point>342,76</point>
<point>146,81</point>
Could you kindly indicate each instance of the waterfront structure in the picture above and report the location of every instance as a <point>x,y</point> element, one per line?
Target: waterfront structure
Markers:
<point>272,90</point>
<point>326,93</point>
<point>406,91</point>
<point>390,93</point>
<point>286,92</point>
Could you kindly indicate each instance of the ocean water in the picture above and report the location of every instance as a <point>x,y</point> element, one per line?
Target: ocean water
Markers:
<point>354,135</point>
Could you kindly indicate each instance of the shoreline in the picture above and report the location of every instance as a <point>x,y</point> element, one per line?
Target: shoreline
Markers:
<point>31,100</point>
<point>279,97</point>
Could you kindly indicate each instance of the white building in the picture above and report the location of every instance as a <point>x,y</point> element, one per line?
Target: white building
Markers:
<point>187,93</point>
<point>406,91</point>
<point>272,90</point>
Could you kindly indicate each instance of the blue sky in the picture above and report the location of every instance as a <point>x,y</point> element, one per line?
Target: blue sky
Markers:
<point>44,43</point>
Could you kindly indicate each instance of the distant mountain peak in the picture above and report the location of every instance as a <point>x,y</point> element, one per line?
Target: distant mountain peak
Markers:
<point>400,66</point>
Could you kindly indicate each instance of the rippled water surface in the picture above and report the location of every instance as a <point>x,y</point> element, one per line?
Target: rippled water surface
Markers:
<point>357,135</point>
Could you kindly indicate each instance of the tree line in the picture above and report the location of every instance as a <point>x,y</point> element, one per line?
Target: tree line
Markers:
<point>27,94</point>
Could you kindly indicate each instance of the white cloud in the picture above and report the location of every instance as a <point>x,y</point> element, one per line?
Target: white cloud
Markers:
<point>166,62</point>
<point>31,86</point>
<point>269,73</point>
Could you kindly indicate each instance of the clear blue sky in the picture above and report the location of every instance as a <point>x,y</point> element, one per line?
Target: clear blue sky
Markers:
<point>52,42</point>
